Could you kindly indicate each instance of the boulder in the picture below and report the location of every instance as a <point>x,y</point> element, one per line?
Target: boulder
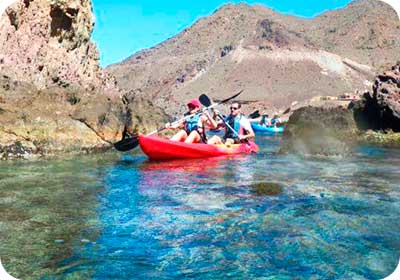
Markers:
<point>320,131</point>
<point>380,109</point>
<point>56,120</point>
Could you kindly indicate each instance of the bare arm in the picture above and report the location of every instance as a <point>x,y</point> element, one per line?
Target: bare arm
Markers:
<point>247,126</point>
<point>209,120</point>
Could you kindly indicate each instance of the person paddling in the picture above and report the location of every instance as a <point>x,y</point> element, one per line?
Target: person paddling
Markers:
<point>275,121</point>
<point>193,129</point>
<point>237,129</point>
<point>264,120</point>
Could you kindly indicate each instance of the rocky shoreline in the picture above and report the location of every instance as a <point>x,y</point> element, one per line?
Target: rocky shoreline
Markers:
<point>374,120</point>
<point>55,98</point>
<point>387,139</point>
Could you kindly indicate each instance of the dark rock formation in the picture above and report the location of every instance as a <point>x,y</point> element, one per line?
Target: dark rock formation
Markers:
<point>380,109</point>
<point>320,131</point>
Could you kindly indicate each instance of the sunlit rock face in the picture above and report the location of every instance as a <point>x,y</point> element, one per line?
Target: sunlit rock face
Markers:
<point>54,97</point>
<point>48,43</point>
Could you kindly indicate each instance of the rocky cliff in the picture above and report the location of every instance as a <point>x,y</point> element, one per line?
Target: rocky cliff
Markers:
<point>379,109</point>
<point>47,43</point>
<point>53,94</point>
<point>329,130</point>
<point>276,59</point>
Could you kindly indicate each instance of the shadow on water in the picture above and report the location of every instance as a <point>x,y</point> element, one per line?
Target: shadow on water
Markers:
<point>264,215</point>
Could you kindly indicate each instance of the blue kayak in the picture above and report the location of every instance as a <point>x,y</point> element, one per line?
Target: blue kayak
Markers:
<point>271,129</point>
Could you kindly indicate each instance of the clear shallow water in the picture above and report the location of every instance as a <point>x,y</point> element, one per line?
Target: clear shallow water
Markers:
<point>123,217</point>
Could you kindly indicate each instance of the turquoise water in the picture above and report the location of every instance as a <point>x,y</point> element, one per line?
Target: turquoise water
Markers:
<point>122,217</point>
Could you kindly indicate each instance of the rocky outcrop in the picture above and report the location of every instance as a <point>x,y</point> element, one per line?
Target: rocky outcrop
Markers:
<point>54,97</point>
<point>380,109</point>
<point>320,131</point>
<point>56,119</point>
<point>47,43</point>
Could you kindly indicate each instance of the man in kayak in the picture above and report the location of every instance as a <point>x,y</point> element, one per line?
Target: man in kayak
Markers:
<point>275,121</point>
<point>237,128</point>
<point>265,120</point>
<point>193,129</point>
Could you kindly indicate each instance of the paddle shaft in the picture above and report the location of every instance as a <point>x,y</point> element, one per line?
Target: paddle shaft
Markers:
<point>228,125</point>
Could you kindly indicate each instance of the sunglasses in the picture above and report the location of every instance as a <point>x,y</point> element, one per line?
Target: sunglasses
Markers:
<point>234,108</point>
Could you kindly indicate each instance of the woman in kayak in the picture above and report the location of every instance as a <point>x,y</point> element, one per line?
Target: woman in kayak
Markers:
<point>193,129</point>
<point>240,125</point>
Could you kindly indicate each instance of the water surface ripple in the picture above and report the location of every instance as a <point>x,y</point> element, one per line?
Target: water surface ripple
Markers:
<point>123,217</point>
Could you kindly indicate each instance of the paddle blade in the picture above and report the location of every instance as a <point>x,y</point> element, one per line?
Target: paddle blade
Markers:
<point>205,100</point>
<point>232,97</point>
<point>254,115</point>
<point>127,144</point>
<point>286,111</point>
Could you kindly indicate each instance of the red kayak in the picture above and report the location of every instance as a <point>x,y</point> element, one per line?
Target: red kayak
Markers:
<point>161,149</point>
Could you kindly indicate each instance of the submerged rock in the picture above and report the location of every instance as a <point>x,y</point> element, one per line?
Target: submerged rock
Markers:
<point>384,139</point>
<point>266,189</point>
<point>320,131</point>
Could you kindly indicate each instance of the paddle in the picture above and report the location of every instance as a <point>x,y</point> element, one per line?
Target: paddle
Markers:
<point>254,115</point>
<point>205,101</point>
<point>286,111</point>
<point>132,142</point>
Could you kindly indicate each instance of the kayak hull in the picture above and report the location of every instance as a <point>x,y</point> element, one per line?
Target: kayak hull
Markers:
<point>158,148</point>
<point>270,129</point>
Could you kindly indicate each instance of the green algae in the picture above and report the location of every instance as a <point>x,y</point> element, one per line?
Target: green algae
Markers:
<point>381,138</point>
<point>266,189</point>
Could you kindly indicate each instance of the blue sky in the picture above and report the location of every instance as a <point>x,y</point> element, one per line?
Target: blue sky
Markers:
<point>124,27</point>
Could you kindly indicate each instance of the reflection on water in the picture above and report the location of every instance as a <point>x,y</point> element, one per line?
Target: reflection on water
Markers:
<point>123,217</point>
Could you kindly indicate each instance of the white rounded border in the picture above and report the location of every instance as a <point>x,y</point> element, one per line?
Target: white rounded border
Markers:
<point>4,275</point>
<point>4,4</point>
<point>396,6</point>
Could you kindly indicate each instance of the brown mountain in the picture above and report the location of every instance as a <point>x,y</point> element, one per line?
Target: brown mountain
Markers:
<point>277,59</point>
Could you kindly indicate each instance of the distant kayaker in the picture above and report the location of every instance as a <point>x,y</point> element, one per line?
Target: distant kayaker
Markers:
<point>275,121</point>
<point>193,129</point>
<point>237,122</point>
<point>265,120</point>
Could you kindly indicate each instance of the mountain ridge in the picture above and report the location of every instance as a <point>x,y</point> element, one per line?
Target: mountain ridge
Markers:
<point>202,58</point>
